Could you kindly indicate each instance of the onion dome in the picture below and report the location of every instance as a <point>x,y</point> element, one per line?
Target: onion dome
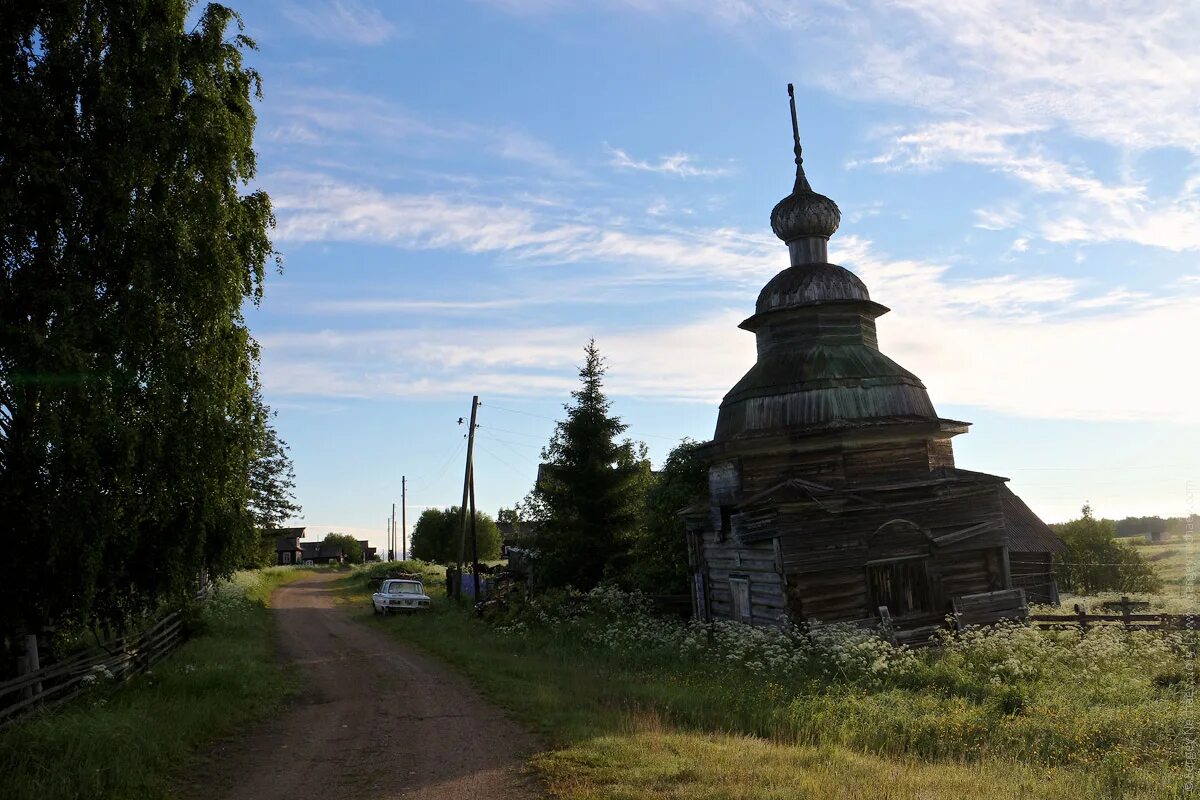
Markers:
<point>808,284</point>
<point>804,213</point>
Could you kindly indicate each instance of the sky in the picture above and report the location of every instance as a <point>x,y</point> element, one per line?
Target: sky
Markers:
<point>465,193</point>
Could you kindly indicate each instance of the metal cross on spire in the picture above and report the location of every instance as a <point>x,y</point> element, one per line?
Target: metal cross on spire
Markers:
<point>801,180</point>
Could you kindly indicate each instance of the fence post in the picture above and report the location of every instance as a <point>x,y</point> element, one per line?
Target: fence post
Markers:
<point>29,662</point>
<point>1083,623</point>
<point>1126,610</point>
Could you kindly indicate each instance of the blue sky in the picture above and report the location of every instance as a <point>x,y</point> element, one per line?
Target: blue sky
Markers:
<point>466,192</point>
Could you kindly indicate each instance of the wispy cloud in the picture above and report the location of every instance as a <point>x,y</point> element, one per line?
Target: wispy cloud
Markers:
<point>343,21</point>
<point>320,118</point>
<point>997,219</point>
<point>1002,84</point>
<point>1029,345</point>
<point>314,208</point>
<point>1086,208</point>
<point>681,165</point>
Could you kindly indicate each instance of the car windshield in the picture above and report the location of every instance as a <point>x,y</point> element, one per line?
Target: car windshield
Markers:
<point>404,587</point>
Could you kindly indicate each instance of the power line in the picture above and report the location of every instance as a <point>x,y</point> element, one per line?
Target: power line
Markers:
<point>507,430</point>
<point>501,440</point>
<point>515,411</point>
<point>499,458</point>
<point>552,419</point>
<point>426,482</point>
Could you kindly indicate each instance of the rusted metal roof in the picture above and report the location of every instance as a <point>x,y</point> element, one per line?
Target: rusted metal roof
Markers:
<point>1026,532</point>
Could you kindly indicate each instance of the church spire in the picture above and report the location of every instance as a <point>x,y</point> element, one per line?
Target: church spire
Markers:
<point>804,220</point>
<point>801,179</point>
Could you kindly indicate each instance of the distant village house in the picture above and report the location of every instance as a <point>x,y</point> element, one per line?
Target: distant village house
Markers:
<point>290,550</point>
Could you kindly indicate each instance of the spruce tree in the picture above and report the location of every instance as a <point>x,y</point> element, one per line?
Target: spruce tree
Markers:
<point>590,488</point>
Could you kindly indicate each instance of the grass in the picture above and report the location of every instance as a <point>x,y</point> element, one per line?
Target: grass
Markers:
<point>133,740</point>
<point>631,726</point>
<point>1170,560</point>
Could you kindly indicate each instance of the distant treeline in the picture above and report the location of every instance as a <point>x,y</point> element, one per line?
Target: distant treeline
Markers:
<point>1138,526</point>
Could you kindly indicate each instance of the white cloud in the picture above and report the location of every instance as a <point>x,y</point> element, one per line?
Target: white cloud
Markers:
<point>345,21</point>
<point>999,218</point>
<point>1087,209</point>
<point>999,83</point>
<point>346,120</point>
<point>680,165</point>
<point>518,146</point>
<point>314,208</point>
<point>1125,72</point>
<point>1036,346</point>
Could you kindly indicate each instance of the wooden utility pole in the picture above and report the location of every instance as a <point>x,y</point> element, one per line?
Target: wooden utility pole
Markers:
<point>462,540</point>
<point>392,537</point>
<point>403,517</point>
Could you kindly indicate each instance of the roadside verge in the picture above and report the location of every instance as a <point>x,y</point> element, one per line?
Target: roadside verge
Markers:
<point>133,740</point>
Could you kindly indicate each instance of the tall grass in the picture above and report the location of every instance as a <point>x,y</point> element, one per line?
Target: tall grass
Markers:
<point>1006,713</point>
<point>130,741</point>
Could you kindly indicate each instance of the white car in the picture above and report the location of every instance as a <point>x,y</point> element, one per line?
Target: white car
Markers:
<point>400,594</point>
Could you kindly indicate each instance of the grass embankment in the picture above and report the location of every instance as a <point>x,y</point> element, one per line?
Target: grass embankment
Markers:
<point>987,720</point>
<point>131,741</point>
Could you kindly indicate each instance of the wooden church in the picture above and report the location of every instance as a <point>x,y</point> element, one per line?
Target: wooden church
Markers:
<point>833,493</point>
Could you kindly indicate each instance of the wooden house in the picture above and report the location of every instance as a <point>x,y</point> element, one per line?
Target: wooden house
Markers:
<point>833,494</point>
<point>287,545</point>
<point>322,553</point>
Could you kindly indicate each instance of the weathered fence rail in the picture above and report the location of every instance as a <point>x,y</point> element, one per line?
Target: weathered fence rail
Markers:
<point>121,657</point>
<point>1128,621</point>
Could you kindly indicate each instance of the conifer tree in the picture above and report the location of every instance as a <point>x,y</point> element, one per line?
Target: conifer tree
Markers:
<point>589,493</point>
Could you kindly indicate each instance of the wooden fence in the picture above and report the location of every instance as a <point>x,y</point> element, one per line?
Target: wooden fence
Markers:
<point>121,658</point>
<point>1126,618</point>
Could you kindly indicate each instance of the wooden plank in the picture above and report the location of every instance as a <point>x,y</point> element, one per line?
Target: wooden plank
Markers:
<point>769,578</point>
<point>987,526</point>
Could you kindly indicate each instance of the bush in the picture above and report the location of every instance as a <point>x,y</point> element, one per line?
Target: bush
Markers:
<point>437,535</point>
<point>1095,561</point>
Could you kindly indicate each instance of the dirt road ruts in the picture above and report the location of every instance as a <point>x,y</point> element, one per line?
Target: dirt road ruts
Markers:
<point>374,720</point>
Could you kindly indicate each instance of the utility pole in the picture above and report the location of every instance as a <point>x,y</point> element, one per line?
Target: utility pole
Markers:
<point>462,540</point>
<point>392,535</point>
<point>403,517</point>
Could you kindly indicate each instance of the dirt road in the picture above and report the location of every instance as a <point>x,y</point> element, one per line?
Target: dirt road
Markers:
<point>374,720</point>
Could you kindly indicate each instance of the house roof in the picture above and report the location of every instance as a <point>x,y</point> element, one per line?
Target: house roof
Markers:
<point>1026,532</point>
<point>286,538</point>
<point>320,550</point>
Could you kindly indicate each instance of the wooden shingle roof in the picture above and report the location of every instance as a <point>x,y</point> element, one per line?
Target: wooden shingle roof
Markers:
<point>1026,532</point>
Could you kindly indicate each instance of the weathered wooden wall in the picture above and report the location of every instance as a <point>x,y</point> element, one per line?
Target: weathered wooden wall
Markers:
<point>808,552</point>
<point>1033,572</point>
<point>754,472</point>
<point>758,563</point>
